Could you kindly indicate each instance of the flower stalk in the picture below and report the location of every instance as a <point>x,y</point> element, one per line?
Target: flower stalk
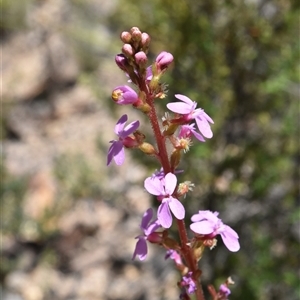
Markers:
<point>188,122</point>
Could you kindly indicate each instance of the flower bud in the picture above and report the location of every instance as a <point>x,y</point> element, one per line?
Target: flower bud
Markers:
<point>163,60</point>
<point>145,41</point>
<point>141,58</point>
<point>122,62</point>
<point>127,50</point>
<point>147,148</point>
<point>125,37</point>
<point>124,95</point>
<point>136,34</point>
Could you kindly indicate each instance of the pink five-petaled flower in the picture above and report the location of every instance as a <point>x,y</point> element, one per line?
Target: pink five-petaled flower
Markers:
<point>116,150</point>
<point>187,108</point>
<point>208,224</point>
<point>149,229</point>
<point>164,189</point>
<point>124,95</point>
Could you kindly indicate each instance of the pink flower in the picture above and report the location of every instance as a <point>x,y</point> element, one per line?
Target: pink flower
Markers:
<point>187,130</point>
<point>224,291</point>
<point>164,189</point>
<point>116,150</point>
<point>209,225</point>
<point>124,95</point>
<point>163,60</point>
<point>122,62</point>
<point>187,108</point>
<point>188,282</point>
<point>174,255</point>
<point>148,227</point>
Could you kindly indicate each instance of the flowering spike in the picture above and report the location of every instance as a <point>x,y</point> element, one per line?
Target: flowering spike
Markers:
<point>179,131</point>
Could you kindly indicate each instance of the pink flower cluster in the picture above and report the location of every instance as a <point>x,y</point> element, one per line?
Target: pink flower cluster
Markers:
<point>187,122</point>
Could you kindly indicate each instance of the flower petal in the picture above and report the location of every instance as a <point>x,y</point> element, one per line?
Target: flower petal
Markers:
<point>180,108</point>
<point>170,183</point>
<point>230,239</point>
<point>177,208</point>
<point>120,124</point>
<point>140,249</point>
<point>198,136</point>
<point>147,216</point>
<point>119,154</point>
<point>207,117</point>
<point>110,153</point>
<point>164,215</point>
<point>115,150</point>
<point>185,99</point>
<point>152,227</point>
<point>204,127</point>
<point>153,186</point>
<point>203,227</point>
<point>130,128</point>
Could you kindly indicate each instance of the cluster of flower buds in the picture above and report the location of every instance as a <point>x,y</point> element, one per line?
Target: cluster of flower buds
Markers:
<point>187,123</point>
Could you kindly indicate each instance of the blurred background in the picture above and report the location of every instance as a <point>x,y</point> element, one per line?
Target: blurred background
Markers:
<point>69,222</point>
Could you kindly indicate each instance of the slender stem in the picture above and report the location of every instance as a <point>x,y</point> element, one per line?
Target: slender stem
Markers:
<point>164,159</point>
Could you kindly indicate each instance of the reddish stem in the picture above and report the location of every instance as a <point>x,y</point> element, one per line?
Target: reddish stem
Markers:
<point>164,159</point>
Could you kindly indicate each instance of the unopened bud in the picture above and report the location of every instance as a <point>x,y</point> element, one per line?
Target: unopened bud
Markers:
<point>141,58</point>
<point>147,148</point>
<point>163,60</point>
<point>136,34</point>
<point>125,37</point>
<point>127,50</point>
<point>122,62</point>
<point>145,41</point>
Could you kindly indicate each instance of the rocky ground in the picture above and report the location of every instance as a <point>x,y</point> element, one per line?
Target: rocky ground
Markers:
<point>50,113</point>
